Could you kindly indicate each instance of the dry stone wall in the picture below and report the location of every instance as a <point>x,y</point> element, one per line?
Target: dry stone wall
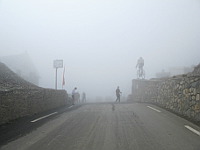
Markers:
<point>9,80</point>
<point>23,102</point>
<point>196,71</point>
<point>180,94</point>
<point>19,98</point>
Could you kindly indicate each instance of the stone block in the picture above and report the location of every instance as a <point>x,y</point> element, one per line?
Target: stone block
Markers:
<point>185,91</point>
<point>197,116</point>
<point>197,97</point>
<point>194,84</point>
<point>197,107</point>
<point>194,91</point>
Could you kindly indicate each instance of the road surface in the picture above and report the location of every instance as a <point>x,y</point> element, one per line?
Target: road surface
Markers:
<point>111,126</point>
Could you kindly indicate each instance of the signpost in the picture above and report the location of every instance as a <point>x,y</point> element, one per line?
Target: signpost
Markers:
<point>57,64</point>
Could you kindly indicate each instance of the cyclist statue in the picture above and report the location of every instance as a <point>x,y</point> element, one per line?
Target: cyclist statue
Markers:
<point>140,64</point>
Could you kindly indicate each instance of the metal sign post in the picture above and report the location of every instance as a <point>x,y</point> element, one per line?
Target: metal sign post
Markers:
<point>57,64</point>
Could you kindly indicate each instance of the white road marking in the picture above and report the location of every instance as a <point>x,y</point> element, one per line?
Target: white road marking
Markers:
<point>44,117</point>
<point>70,106</point>
<point>153,109</point>
<point>55,138</point>
<point>193,130</point>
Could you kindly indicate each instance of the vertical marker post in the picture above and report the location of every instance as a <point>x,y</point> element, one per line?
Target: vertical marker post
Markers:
<point>57,64</point>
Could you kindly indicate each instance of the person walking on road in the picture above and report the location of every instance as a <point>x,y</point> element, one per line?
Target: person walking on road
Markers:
<point>83,97</point>
<point>118,92</point>
<point>73,95</point>
<point>77,97</point>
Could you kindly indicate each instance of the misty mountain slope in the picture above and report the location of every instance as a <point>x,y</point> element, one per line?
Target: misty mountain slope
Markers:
<point>9,80</point>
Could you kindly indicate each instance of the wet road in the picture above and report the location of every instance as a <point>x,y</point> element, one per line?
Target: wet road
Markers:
<point>112,127</point>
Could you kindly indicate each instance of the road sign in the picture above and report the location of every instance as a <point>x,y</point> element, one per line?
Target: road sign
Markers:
<point>58,63</point>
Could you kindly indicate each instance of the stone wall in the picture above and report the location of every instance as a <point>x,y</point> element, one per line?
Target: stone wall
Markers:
<point>196,71</point>
<point>10,80</point>
<point>180,94</point>
<point>15,104</point>
<point>144,90</point>
<point>19,98</point>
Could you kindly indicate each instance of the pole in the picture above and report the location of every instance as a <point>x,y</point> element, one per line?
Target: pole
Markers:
<point>56,79</point>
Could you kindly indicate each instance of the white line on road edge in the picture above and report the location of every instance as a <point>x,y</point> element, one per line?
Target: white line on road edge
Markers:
<point>53,139</point>
<point>193,130</point>
<point>44,117</point>
<point>70,106</point>
<point>153,108</point>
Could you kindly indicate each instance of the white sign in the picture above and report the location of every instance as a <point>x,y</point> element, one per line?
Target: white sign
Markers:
<point>58,63</point>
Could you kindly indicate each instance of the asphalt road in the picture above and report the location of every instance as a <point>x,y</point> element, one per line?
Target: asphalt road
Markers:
<point>107,126</point>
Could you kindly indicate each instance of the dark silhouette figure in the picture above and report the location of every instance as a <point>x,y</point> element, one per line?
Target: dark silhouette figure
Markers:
<point>140,65</point>
<point>77,97</point>
<point>83,97</point>
<point>118,92</point>
<point>73,95</point>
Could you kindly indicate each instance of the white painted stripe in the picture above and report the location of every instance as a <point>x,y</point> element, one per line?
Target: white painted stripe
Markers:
<point>53,140</point>
<point>153,109</point>
<point>44,117</point>
<point>70,106</point>
<point>193,130</point>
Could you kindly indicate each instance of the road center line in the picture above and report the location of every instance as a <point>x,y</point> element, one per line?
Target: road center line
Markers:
<point>193,130</point>
<point>153,109</point>
<point>44,117</point>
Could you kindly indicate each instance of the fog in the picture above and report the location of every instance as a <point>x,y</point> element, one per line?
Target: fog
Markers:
<point>101,40</point>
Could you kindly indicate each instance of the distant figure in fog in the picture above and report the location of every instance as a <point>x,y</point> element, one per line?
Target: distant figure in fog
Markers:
<point>74,95</point>
<point>83,97</point>
<point>140,71</point>
<point>77,97</point>
<point>118,92</point>
<point>140,63</point>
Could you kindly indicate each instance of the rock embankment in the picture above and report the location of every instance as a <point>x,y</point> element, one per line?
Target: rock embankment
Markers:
<point>9,80</point>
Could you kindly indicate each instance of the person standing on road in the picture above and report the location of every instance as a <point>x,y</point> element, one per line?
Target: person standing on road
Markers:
<point>73,95</point>
<point>78,97</point>
<point>83,97</point>
<point>118,92</point>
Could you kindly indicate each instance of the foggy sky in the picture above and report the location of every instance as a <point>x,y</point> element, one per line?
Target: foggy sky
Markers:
<point>101,40</point>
